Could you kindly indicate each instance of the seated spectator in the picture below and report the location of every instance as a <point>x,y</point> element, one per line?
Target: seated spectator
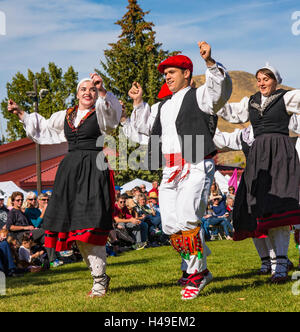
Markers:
<point>124,221</point>
<point>9,204</point>
<point>117,191</point>
<point>32,212</point>
<point>143,189</point>
<point>43,200</point>
<point>214,190</point>
<point>14,247</point>
<point>18,224</point>
<point>153,202</point>
<point>229,207</point>
<point>3,212</point>
<point>154,188</point>
<point>136,191</point>
<point>129,201</point>
<point>231,192</point>
<point>219,216</point>
<point>27,258</point>
<point>7,265</point>
<point>148,215</point>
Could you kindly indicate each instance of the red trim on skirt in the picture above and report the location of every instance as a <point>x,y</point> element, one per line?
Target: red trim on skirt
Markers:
<point>277,220</point>
<point>242,235</point>
<point>264,224</point>
<point>63,241</point>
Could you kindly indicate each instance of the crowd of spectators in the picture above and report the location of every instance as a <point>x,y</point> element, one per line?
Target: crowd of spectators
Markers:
<point>218,218</point>
<point>22,236</point>
<point>137,220</point>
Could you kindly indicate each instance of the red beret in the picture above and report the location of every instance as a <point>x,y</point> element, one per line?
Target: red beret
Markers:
<point>180,61</point>
<point>164,92</point>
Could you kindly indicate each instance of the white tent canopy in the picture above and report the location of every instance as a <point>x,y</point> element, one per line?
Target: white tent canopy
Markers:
<point>8,187</point>
<point>134,183</point>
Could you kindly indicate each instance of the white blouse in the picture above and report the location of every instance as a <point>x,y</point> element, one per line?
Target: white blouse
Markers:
<point>233,141</point>
<point>211,96</point>
<point>238,112</point>
<point>51,131</point>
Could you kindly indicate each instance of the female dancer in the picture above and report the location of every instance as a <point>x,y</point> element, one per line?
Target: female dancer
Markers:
<point>268,200</point>
<point>80,208</point>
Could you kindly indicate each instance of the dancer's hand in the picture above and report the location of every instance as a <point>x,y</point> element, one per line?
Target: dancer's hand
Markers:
<point>205,52</point>
<point>14,108</point>
<point>136,93</point>
<point>98,82</point>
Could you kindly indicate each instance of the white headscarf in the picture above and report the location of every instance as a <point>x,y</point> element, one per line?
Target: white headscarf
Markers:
<point>274,71</point>
<point>81,81</point>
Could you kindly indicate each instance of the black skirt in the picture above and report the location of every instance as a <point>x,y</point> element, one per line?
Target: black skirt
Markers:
<point>269,190</point>
<point>82,193</point>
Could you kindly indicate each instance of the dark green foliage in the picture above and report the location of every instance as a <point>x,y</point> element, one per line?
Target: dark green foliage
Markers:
<point>62,92</point>
<point>134,57</point>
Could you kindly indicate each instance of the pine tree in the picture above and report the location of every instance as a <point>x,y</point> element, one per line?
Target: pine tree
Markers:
<point>62,92</point>
<point>134,57</point>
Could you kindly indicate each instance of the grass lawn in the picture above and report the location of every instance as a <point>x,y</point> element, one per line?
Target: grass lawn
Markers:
<point>145,281</point>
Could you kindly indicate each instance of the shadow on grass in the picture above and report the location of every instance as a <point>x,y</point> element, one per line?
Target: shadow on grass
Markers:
<point>247,275</point>
<point>17,295</point>
<point>231,288</point>
<point>211,289</point>
<point>44,278</point>
<point>132,262</point>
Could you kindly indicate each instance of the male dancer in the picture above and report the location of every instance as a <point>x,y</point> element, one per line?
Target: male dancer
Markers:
<point>185,124</point>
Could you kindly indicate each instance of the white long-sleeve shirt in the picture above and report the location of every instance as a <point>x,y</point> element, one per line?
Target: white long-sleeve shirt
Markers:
<point>51,131</point>
<point>239,112</point>
<point>211,96</point>
<point>233,141</point>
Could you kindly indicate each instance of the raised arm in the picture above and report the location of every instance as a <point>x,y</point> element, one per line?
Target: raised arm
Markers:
<point>218,86</point>
<point>39,129</point>
<point>138,126</point>
<point>108,107</point>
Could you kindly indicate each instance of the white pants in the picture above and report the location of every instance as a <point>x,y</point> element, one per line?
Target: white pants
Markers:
<point>183,204</point>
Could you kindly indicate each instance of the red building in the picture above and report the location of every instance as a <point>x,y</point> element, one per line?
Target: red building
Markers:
<point>18,163</point>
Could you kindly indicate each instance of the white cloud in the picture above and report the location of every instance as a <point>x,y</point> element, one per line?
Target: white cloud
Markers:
<point>35,18</point>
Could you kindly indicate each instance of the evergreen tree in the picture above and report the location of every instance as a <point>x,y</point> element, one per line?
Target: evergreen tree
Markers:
<point>62,93</point>
<point>134,57</point>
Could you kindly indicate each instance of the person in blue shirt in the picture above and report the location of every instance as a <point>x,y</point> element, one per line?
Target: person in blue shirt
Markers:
<point>219,216</point>
<point>32,212</point>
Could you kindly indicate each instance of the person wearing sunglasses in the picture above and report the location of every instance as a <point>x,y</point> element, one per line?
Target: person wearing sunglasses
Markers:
<point>43,200</point>
<point>18,224</point>
<point>32,212</point>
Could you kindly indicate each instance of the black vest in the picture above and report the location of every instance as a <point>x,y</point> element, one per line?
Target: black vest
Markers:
<point>273,118</point>
<point>195,128</point>
<point>245,146</point>
<point>85,136</point>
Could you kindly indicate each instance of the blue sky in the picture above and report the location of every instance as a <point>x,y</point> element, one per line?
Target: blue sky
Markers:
<point>243,34</point>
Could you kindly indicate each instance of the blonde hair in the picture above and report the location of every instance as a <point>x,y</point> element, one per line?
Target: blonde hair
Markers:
<point>31,194</point>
